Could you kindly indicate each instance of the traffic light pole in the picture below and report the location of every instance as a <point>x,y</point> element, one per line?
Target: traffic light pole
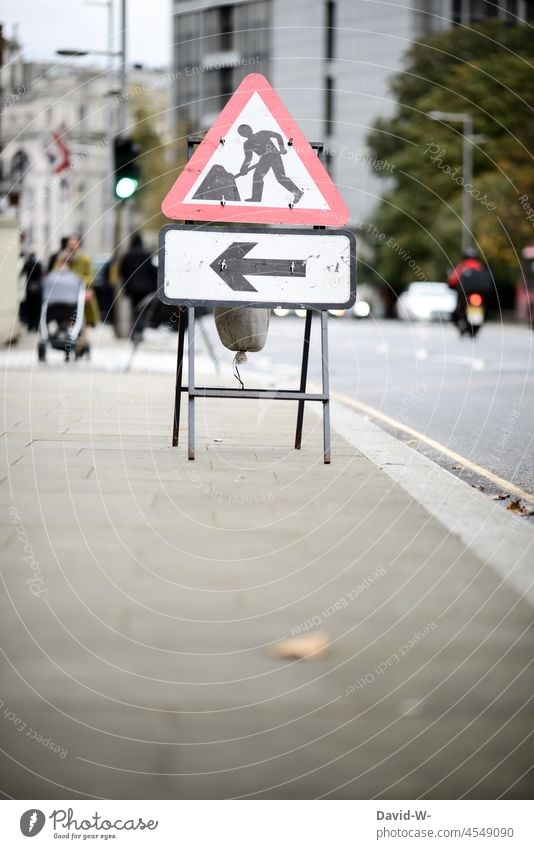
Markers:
<point>122,310</point>
<point>123,80</point>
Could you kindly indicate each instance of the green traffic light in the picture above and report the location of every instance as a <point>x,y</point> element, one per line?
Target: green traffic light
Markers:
<point>126,187</point>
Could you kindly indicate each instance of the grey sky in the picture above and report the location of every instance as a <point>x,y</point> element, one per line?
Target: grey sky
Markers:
<point>46,25</point>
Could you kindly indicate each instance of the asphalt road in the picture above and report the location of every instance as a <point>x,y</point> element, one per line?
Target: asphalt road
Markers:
<point>475,397</point>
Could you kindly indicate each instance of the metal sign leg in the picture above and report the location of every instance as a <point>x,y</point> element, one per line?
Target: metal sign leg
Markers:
<point>179,369</point>
<point>303,376</point>
<point>191,383</point>
<point>326,385</point>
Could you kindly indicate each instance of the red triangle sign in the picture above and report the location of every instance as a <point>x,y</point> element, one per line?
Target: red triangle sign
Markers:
<point>255,166</point>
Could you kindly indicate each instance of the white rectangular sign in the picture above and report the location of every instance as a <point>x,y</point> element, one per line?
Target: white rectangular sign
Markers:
<point>248,266</point>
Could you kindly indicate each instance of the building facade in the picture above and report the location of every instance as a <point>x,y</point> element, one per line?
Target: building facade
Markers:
<point>329,60</point>
<point>58,124</point>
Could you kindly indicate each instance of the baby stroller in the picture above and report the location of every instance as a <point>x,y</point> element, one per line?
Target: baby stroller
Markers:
<point>62,313</point>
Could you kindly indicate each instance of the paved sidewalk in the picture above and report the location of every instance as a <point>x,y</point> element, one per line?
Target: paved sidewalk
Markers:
<point>141,593</point>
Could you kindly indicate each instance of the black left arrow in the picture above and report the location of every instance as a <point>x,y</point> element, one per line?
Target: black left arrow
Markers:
<point>233,266</point>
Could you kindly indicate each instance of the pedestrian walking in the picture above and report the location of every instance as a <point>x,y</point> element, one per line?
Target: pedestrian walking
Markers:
<point>33,273</point>
<point>138,276</point>
<point>54,257</point>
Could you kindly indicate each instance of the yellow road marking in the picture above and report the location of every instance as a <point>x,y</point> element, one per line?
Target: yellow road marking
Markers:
<point>468,464</point>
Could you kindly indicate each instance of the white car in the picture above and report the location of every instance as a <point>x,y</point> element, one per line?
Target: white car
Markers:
<point>426,302</point>
<point>368,302</point>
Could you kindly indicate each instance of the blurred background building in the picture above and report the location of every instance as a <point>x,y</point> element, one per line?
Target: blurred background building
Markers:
<point>330,61</point>
<point>58,123</point>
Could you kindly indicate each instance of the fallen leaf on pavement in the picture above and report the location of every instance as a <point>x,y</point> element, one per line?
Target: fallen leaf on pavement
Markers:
<point>502,497</point>
<point>517,507</point>
<point>309,647</point>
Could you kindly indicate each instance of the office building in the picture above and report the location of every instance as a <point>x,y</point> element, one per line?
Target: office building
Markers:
<point>330,61</point>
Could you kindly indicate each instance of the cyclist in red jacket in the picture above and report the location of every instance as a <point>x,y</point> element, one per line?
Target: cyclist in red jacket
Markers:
<point>470,275</point>
<point>469,263</point>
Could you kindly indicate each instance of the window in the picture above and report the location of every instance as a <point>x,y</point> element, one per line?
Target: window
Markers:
<point>330,28</point>
<point>186,27</point>
<point>188,54</point>
<point>481,10</point>
<point>210,90</point>
<point>227,87</point>
<point>251,25</point>
<point>226,21</point>
<point>329,106</point>
<point>218,29</point>
<point>186,40</point>
<point>476,11</point>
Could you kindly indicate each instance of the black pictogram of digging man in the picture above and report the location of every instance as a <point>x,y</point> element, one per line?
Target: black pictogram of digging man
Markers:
<point>269,156</point>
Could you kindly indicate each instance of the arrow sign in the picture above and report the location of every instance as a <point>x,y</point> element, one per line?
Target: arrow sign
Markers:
<point>233,265</point>
<point>203,266</point>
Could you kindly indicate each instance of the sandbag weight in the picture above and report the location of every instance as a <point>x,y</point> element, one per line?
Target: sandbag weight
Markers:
<point>242,328</point>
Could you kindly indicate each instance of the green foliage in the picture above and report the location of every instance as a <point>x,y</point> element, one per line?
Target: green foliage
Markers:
<point>160,163</point>
<point>485,71</point>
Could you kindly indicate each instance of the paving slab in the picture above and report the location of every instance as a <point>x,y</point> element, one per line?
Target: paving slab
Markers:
<point>142,593</point>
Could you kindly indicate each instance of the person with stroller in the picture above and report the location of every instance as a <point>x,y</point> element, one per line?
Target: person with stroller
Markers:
<point>80,263</point>
<point>62,311</point>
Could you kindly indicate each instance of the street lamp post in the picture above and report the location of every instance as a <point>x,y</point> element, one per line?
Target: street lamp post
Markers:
<point>121,311</point>
<point>110,217</point>
<point>467,169</point>
<point>110,129</point>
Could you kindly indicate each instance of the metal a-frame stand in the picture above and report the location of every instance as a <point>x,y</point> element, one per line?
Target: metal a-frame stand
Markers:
<point>187,317</point>
<point>299,395</point>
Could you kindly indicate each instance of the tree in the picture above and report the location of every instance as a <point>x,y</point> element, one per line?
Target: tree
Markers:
<point>159,162</point>
<point>485,71</point>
